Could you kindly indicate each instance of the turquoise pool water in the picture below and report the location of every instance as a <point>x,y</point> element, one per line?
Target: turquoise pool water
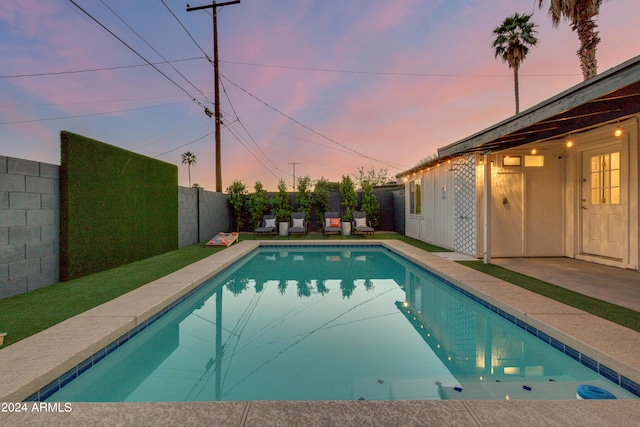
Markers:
<point>331,324</point>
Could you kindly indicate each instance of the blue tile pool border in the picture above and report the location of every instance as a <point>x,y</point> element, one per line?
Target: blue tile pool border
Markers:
<point>599,368</point>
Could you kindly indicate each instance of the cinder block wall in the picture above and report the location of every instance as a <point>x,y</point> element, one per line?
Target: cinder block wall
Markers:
<point>187,216</point>
<point>29,225</point>
<point>201,215</point>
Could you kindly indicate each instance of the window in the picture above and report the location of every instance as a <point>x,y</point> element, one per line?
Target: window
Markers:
<point>533,161</point>
<point>605,179</point>
<point>511,161</point>
<point>415,194</point>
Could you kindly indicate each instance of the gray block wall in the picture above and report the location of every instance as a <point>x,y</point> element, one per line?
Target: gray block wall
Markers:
<point>202,215</point>
<point>29,225</point>
<point>187,216</point>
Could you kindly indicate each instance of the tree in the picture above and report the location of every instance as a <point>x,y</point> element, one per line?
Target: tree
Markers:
<point>349,197</point>
<point>580,14</point>
<point>375,178</point>
<point>512,42</point>
<point>371,205</point>
<point>258,203</point>
<point>237,192</point>
<point>281,207</point>
<point>303,196</point>
<point>188,158</point>
<point>427,159</point>
<point>321,198</point>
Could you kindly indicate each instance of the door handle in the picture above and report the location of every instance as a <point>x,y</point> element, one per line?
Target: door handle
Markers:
<point>584,207</point>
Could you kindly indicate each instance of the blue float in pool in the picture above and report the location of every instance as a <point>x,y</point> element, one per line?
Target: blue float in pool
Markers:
<point>586,391</point>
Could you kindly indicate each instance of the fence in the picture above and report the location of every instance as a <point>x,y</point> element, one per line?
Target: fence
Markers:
<point>30,221</point>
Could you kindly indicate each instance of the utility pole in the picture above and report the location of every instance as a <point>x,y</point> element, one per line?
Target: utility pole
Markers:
<point>216,77</point>
<point>294,174</point>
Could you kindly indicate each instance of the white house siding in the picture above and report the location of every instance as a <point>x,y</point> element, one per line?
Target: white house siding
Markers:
<point>436,221</point>
<point>536,211</point>
<point>527,204</point>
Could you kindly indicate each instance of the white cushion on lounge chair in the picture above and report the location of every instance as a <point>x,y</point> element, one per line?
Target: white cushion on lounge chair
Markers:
<point>270,223</point>
<point>298,222</point>
<point>361,222</point>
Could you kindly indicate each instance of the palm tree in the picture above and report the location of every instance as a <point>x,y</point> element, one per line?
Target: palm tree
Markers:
<point>188,159</point>
<point>512,42</point>
<point>580,14</point>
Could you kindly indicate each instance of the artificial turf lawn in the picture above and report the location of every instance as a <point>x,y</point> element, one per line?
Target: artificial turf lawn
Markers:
<point>614,313</point>
<point>29,313</point>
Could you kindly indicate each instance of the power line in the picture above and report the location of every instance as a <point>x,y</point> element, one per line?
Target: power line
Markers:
<point>90,70</point>
<point>188,33</point>
<point>247,131</point>
<point>134,51</point>
<point>309,128</point>
<point>155,50</point>
<point>390,73</point>
<point>183,145</point>
<point>88,114</point>
<point>237,137</point>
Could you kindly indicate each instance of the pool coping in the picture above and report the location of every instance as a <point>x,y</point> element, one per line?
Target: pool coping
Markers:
<point>31,364</point>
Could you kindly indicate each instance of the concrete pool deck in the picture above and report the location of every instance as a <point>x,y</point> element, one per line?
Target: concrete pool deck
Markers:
<point>34,362</point>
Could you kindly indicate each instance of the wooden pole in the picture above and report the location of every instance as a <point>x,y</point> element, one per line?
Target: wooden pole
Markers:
<point>216,77</point>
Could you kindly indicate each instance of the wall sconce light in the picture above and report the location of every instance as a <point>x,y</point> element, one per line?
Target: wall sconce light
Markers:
<point>618,132</point>
<point>569,142</point>
<point>534,151</point>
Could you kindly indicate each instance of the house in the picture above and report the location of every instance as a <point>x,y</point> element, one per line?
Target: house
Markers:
<point>559,179</point>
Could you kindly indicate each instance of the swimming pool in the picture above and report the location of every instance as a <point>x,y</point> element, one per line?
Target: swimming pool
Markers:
<point>342,323</point>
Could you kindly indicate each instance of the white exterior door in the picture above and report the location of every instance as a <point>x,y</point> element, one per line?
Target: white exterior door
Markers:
<point>603,207</point>
<point>508,214</point>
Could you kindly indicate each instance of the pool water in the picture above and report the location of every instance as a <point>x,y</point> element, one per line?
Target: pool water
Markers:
<point>330,324</point>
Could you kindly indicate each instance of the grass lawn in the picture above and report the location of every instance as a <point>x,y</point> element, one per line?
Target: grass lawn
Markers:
<point>26,314</point>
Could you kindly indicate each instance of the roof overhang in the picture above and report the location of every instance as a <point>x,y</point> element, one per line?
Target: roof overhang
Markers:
<point>612,95</point>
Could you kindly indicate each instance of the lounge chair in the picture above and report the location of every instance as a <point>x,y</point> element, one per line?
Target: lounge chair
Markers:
<point>298,224</point>
<point>361,225</point>
<point>268,225</point>
<point>331,223</point>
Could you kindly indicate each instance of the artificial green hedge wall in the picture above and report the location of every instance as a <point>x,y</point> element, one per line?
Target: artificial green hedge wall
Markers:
<point>116,206</point>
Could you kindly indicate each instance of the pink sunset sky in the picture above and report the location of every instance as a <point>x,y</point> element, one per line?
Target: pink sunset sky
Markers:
<point>330,85</point>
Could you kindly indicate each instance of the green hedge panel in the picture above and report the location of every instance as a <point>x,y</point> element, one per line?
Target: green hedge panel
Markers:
<point>116,206</point>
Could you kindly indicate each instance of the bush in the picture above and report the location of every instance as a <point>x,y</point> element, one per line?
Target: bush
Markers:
<point>303,196</point>
<point>281,207</point>
<point>370,205</point>
<point>321,199</point>
<point>349,197</point>
<point>257,204</point>
<point>237,192</point>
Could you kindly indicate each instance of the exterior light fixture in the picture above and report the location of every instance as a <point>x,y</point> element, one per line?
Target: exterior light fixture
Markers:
<point>534,151</point>
<point>618,132</point>
<point>569,142</point>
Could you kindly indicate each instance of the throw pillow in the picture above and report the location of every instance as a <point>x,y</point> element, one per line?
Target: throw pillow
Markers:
<point>334,222</point>
<point>298,222</point>
<point>361,222</point>
<point>270,222</point>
